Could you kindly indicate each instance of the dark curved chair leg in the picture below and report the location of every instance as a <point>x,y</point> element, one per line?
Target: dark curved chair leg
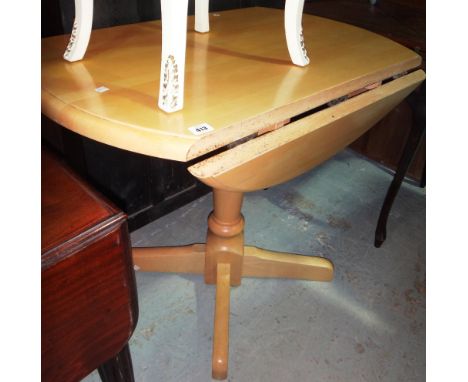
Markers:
<point>418,104</point>
<point>422,183</point>
<point>119,368</point>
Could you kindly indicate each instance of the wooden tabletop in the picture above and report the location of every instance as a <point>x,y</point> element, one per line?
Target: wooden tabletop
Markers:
<point>239,80</point>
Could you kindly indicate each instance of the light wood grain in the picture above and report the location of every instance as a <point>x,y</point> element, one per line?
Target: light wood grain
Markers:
<point>220,355</point>
<point>185,259</point>
<point>256,262</point>
<point>259,262</point>
<point>81,31</point>
<point>236,83</point>
<point>291,150</point>
<point>241,86</point>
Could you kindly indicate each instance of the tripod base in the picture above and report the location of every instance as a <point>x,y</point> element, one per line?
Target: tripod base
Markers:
<point>257,262</point>
<point>224,260</point>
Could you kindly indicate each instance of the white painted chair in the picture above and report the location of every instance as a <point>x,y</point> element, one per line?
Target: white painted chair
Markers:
<point>174,36</point>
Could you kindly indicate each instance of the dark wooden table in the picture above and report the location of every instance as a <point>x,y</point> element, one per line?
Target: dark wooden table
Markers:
<point>89,300</point>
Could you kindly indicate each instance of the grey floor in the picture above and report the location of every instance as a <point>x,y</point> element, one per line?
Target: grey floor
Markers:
<point>368,324</point>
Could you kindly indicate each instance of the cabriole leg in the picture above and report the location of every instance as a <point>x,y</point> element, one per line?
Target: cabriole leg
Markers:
<point>174,37</point>
<point>118,368</point>
<point>293,29</point>
<point>202,20</point>
<point>81,31</point>
<point>417,101</point>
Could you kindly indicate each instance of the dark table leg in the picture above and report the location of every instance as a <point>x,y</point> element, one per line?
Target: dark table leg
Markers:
<point>418,104</point>
<point>119,368</point>
<point>422,183</point>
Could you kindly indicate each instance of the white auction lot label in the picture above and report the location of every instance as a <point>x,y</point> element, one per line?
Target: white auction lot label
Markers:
<point>200,129</point>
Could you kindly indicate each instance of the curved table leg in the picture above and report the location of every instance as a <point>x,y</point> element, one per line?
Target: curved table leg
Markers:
<point>417,102</point>
<point>119,368</point>
<point>422,183</point>
<point>202,20</point>
<point>174,38</point>
<point>293,29</point>
<point>81,31</point>
<point>256,262</point>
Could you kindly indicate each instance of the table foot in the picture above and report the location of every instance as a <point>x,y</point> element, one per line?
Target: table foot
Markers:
<point>118,368</point>
<point>414,140</point>
<point>220,354</point>
<point>184,259</point>
<point>263,263</point>
<point>380,232</point>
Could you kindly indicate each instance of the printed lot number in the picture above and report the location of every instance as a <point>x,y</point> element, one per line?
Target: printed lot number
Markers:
<point>200,129</point>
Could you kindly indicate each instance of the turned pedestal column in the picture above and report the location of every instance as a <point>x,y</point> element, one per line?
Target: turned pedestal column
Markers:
<point>224,260</point>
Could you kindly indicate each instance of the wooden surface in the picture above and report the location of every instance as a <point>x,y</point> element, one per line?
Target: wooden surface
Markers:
<point>223,263</point>
<point>256,262</point>
<point>89,303</point>
<point>119,368</point>
<point>385,142</point>
<point>143,187</point>
<point>220,355</point>
<point>263,263</point>
<point>62,193</point>
<point>290,151</point>
<point>236,92</point>
<point>403,21</point>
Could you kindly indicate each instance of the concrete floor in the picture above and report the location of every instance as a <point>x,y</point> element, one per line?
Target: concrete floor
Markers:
<point>368,324</point>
